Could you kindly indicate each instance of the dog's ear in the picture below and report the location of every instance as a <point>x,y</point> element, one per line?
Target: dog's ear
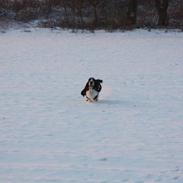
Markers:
<point>83,92</point>
<point>100,81</point>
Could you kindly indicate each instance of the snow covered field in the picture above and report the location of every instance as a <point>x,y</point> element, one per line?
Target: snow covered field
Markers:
<point>48,134</point>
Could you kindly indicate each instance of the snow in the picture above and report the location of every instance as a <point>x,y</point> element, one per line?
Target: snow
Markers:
<point>48,133</point>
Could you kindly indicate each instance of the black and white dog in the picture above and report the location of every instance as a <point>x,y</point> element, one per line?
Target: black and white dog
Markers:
<point>92,89</point>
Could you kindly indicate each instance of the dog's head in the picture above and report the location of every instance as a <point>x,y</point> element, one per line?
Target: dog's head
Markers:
<point>95,84</point>
<point>91,82</point>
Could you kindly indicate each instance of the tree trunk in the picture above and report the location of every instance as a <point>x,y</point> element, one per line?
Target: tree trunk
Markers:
<point>80,13</point>
<point>94,4</point>
<point>132,12</point>
<point>162,6</point>
<point>95,16</point>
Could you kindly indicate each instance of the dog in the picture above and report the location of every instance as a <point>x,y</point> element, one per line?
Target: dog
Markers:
<point>92,89</point>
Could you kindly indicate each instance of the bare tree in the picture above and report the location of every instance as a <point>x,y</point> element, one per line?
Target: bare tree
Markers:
<point>94,4</point>
<point>162,6</point>
<point>79,8</point>
<point>132,12</point>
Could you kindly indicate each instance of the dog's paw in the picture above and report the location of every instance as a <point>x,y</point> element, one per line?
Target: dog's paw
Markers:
<point>90,100</point>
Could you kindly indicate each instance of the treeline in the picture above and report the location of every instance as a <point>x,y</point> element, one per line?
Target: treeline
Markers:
<point>93,14</point>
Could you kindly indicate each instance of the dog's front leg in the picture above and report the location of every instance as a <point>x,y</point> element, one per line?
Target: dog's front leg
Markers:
<point>89,95</point>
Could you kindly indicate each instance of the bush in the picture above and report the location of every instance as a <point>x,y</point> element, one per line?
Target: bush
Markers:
<point>27,14</point>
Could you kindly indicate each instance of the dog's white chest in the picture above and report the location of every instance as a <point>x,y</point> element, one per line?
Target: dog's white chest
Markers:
<point>91,94</point>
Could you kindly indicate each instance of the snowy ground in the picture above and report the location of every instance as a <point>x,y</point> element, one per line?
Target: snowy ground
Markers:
<point>48,134</point>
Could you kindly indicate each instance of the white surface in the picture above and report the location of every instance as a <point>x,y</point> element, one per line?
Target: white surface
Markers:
<point>134,134</point>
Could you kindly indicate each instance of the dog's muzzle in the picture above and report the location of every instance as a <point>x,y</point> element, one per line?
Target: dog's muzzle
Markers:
<point>91,84</point>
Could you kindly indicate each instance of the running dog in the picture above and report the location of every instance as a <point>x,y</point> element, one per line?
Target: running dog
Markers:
<point>92,89</point>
